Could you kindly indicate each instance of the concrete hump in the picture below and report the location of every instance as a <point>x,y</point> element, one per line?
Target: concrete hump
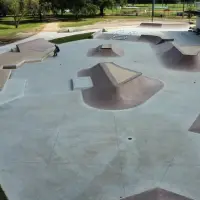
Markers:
<point>149,24</point>
<point>180,57</point>
<point>117,88</point>
<point>4,76</point>
<point>40,45</point>
<point>157,194</point>
<point>195,126</point>
<point>106,50</point>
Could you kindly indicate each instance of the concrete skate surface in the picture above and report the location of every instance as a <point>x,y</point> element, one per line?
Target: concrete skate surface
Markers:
<point>55,147</point>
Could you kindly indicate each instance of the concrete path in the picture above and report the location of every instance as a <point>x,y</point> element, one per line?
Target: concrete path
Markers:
<point>51,27</point>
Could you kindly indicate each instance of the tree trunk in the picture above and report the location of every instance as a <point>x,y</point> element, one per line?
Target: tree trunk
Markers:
<point>101,11</point>
<point>16,24</point>
<point>40,15</point>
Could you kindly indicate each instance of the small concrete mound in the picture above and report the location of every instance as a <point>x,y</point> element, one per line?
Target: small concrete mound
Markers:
<point>106,50</point>
<point>195,126</point>
<point>117,88</point>
<point>149,24</point>
<point>179,57</point>
<point>157,194</point>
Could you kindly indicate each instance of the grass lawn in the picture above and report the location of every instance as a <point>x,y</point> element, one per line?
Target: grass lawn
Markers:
<point>72,38</point>
<point>8,30</point>
<point>11,31</point>
<point>91,21</point>
<point>82,22</point>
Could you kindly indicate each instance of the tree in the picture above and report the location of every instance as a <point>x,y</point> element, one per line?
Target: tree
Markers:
<point>32,7</point>
<point>3,8</point>
<point>18,10</point>
<point>189,11</point>
<point>89,9</point>
<point>76,7</point>
<point>102,4</point>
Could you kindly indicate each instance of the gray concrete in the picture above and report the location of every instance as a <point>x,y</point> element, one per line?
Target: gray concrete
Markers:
<point>13,89</point>
<point>54,147</point>
<point>82,83</point>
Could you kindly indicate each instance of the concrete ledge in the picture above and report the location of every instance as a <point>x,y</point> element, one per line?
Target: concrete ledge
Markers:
<point>81,83</point>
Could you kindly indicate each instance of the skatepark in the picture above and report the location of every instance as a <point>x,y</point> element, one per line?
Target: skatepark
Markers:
<point>113,117</point>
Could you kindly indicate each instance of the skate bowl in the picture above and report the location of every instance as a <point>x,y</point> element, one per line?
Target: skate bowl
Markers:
<point>149,24</point>
<point>113,36</point>
<point>154,39</point>
<point>157,194</point>
<point>179,57</point>
<point>117,88</point>
<point>195,126</point>
<point>106,50</point>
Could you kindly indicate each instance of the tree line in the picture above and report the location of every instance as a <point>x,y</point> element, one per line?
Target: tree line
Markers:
<point>19,8</point>
<point>39,8</point>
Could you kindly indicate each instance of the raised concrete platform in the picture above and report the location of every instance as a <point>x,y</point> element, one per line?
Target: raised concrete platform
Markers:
<point>81,83</point>
<point>31,51</point>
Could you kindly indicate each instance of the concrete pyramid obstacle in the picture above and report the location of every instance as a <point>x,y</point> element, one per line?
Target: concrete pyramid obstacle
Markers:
<point>179,57</point>
<point>195,126</point>
<point>117,88</point>
<point>157,194</point>
<point>106,50</point>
